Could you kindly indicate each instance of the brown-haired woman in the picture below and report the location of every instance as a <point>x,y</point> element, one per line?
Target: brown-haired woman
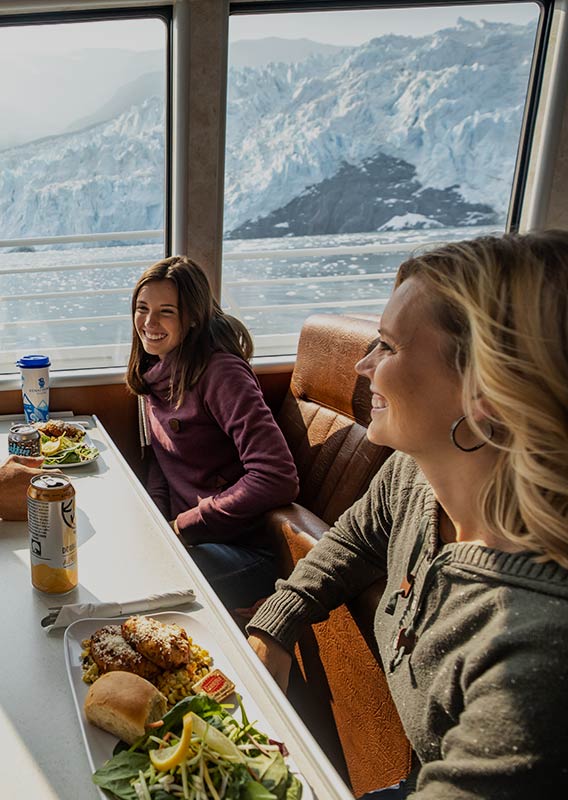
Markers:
<point>468,521</point>
<point>218,459</point>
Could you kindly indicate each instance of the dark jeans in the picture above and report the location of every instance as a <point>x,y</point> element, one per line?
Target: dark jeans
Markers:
<point>240,575</point>
<point>396,792</point>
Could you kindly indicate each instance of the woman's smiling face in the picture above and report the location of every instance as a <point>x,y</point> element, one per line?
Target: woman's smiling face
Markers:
<point>157,317</point>
<point>416,395</point>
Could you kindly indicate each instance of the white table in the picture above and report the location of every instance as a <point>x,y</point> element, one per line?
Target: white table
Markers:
<point>126,551</point>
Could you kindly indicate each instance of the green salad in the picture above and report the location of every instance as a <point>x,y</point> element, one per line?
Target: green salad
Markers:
<point>63,450</point>
<point>200,752</point>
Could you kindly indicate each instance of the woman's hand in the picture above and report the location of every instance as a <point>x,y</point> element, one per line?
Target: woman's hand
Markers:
<point>275,658</point>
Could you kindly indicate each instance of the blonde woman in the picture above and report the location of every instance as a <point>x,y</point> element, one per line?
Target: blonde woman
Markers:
<point>469,520</point>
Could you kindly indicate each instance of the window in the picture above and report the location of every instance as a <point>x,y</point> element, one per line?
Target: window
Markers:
<point>82,184</point>
<point>353,137</point>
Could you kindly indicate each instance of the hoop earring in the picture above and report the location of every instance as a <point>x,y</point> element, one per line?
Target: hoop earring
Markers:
<point>453,432</point>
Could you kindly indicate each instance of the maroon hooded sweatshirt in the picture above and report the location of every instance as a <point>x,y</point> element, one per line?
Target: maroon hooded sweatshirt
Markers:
<point>220,460</point>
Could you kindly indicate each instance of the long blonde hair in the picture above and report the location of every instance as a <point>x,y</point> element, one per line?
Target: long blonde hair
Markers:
<point>207,329</point>
<point>503,301</point>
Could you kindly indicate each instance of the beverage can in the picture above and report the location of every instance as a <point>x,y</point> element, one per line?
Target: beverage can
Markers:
<point>35,387</point>
<point>53,533</point>
<point>24,440</point>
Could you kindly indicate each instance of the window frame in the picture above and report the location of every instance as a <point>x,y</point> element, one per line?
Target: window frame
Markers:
<point>92,376</point>
<point>534,89</point>
<point>528,191</point>
<point>520,186</point>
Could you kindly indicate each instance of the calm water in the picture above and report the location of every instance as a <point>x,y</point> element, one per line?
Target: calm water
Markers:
<point>55,306</point>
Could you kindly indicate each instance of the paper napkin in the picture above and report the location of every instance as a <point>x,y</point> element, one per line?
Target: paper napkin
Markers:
<point>64,616</point>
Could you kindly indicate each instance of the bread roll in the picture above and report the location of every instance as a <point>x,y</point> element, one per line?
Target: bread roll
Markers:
<point>123,704</point>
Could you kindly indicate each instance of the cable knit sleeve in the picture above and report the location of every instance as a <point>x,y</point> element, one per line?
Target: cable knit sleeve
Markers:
<point>347,559</point>
<point>232,396</point>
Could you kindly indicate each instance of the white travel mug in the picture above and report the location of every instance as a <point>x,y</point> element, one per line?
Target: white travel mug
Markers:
<point>35,387</point>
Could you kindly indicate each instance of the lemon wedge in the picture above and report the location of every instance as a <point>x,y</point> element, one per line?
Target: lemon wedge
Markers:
<point>167,757</point>
<point>50,447</point>
<point>216,740</point>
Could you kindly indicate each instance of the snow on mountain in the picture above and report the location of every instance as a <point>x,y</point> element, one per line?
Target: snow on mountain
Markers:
<point>443,110</point>
<point>109,177</point>
<point>150,84</point>
<point>410,221</point>
<point>448,103</point>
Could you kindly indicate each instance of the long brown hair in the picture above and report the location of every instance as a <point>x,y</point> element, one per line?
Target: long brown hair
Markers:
<point>206,329</point>
<point>503,303</point>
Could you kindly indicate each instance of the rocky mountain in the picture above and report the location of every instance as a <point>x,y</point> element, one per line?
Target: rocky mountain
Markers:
<point>447,104</point>
<point>109,177</point>
<point>150,84</point>
<point>48,94</point>
<point>260,52</point>
<point>348,203</point>
<point>398,132</point>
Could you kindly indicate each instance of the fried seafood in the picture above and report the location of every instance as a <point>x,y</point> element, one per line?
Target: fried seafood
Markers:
<point>111,652</point>
<point>55,428</point>
<point>111,648</point>
<point>164,645</point>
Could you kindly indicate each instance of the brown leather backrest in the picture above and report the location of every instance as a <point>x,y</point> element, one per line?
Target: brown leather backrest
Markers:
<point>325,414</point>
<point>324,418</point>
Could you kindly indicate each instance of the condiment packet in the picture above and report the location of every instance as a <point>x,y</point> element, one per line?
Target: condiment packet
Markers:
<point>64,616</point>
<point>215,684</point>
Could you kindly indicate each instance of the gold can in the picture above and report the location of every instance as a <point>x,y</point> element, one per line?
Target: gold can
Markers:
<point>53,533</point>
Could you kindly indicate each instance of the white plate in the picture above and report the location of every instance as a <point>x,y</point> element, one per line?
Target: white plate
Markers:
<point>100,744</point>
<point>64,467</point>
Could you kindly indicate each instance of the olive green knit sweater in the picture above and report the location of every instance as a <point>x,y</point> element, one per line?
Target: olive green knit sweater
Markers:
<point>480,672</point>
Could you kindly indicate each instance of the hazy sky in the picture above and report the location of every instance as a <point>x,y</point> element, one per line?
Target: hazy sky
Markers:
<point>140,34</point>
<point>340,27</point>
<point>355,27</point>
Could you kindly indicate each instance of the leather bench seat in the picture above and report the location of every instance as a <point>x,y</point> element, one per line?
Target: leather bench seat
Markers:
<point>337,685</point>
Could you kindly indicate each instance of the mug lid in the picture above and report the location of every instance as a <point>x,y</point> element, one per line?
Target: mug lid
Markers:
<point>33,362</point>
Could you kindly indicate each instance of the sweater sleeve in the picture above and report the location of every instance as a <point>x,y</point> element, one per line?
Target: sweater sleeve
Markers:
<point>346,560</point>
<point>157,485</point>
<point>232,396</point>
<point>510,739</point>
